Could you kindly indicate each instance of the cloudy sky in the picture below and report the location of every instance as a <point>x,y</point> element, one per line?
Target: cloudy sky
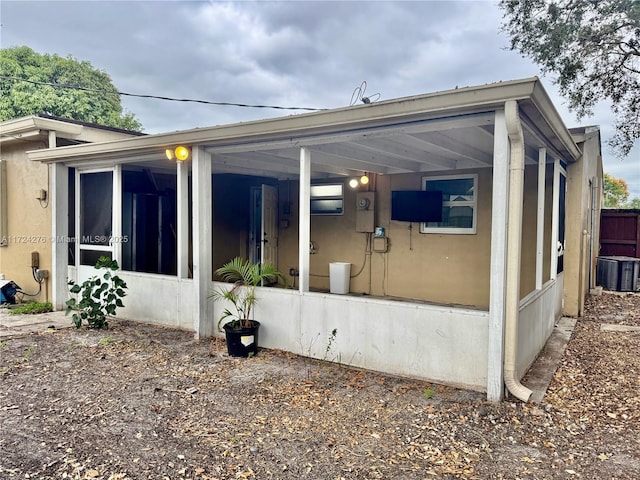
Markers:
<point>307,54</point>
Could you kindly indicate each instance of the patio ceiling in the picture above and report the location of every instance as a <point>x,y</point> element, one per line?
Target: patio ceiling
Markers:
<point>451,143</point>
<point>431,145</point>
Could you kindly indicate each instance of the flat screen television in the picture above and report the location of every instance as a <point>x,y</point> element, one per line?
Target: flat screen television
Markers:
<point>416,206</point>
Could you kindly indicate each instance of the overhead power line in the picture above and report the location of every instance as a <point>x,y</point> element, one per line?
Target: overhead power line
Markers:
<point>155,97</point>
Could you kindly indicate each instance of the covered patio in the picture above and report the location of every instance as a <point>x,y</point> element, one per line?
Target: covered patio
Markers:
<point>468,304</point>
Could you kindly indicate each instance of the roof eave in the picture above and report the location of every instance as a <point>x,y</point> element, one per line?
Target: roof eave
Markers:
<point>26,124</point>
<point>432,105</point>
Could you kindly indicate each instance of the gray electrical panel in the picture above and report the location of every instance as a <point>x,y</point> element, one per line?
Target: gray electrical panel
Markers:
<point>365,212</point>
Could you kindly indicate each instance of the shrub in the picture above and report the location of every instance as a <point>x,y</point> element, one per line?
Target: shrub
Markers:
<point>99,296</point>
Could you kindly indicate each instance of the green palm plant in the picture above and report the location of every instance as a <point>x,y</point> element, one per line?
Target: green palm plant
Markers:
<point>246,276</point>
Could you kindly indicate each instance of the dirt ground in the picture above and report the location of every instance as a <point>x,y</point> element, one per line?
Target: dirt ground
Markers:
<point>144,402</point>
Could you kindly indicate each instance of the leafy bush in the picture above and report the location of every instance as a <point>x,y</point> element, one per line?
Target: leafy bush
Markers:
<point>99,296</point>
<point>32,308</point>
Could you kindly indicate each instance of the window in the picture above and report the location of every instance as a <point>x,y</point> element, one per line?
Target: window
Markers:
<point>327,199</point>
<point>459,203</point>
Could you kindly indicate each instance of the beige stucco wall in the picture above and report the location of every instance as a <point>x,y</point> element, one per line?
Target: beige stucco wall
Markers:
<point>434,267</point>
<point>529,229</point>
<point>28,219</point>
<point>582,227</point>
<point>442,268</point>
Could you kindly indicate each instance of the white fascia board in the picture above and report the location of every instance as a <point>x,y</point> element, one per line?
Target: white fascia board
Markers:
<point>25,124</point>
<point>553,119</point>
<point>25,135</point>
<point>21,128</point>
<point>433,105</point>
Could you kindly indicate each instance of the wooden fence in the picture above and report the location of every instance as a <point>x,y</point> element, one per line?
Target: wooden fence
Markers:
<point>620,233</point>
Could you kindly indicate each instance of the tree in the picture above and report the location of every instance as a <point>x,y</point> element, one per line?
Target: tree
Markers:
<point>615,192</point>
<point>27,81</point>
<point>593,46</point>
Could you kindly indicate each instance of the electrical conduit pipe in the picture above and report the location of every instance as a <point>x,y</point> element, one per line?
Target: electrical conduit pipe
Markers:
<point>514,245</point>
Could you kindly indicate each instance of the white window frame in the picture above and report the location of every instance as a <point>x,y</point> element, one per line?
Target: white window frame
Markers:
<point>472,203</point>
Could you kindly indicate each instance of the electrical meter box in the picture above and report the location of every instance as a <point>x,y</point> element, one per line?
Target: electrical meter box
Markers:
<point>365,212</point>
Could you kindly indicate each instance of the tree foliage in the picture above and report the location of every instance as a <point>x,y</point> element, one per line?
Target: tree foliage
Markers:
<point>615,191</point>
<point>593,46</point>
<point>23,89</point>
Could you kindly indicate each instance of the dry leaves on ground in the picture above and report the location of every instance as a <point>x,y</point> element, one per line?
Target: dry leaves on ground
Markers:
<point>139,401</point>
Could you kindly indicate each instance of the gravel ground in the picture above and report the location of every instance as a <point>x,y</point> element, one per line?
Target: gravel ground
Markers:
<point>145,402</point>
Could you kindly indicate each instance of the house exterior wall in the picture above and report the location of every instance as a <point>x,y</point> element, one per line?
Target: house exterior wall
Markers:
<point>455,267</point>
<point>529,221</point>
<point>529,229</point>
<point>442,268</point>
<point>584,180</point>
<point>28,219</point>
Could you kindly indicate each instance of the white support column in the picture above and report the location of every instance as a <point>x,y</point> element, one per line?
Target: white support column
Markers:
<point>78,210</point>
<point>555,217</point>
<point>305,217</point>
<point>116,228</point>
<point>59,191</point>
<point>203,324</point>
<point>182,233</point>
<point>495,349</point>
<point>542,160</point>
<point>52,139</point>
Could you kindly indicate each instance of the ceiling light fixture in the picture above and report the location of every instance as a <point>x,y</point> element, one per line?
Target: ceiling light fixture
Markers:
<point>357,181</point>
<point>180,153</point>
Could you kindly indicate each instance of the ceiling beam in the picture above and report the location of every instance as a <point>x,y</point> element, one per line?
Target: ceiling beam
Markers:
<point>413,148</point>
<point>360,159</point>
<point>456,149</point>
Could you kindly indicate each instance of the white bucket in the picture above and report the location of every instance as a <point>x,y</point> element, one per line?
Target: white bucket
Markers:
<point>339,274</point>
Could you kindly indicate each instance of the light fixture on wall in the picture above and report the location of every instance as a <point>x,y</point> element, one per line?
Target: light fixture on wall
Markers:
<point>180,153</point>
<point>356,182</point>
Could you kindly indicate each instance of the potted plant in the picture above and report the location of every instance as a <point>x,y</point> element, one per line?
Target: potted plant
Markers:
<point>241,331</point>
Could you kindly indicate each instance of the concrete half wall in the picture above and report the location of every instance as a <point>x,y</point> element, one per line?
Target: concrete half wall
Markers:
<point>443,344</point>
<point>538,315</point>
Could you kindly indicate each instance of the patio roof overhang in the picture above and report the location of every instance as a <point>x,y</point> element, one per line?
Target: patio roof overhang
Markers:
<point>449,130</point>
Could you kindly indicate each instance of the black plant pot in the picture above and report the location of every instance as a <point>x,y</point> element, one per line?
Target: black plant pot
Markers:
<point>242,342</point>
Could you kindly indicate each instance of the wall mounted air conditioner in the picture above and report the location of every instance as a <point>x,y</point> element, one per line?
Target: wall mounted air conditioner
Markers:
<point>618,273</point>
